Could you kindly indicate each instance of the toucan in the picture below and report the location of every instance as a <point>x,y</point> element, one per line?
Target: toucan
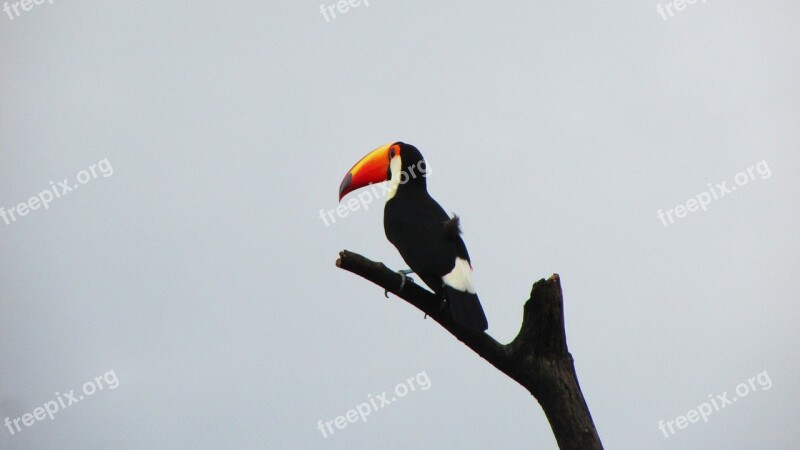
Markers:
<point>427,238</point>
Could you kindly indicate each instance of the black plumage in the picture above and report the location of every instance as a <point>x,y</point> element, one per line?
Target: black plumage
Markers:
<point>428,239</point>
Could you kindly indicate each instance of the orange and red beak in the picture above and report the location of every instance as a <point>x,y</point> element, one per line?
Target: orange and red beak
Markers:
<point>373,168</point>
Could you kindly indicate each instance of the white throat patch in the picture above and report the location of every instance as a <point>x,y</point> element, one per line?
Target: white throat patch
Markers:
<point>394,182</point>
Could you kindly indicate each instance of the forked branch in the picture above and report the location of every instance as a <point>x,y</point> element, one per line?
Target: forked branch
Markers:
<point>538,358</point>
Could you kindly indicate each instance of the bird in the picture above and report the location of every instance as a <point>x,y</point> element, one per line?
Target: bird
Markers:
<point>427,238</point>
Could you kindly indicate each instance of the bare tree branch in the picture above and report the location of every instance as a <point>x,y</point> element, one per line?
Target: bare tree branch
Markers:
<point>538,358</point>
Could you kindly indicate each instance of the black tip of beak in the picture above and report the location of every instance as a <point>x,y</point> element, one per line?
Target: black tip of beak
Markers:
<point>344,185</point>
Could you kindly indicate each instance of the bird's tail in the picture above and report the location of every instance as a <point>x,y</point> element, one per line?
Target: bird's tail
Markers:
<point>466,309</point>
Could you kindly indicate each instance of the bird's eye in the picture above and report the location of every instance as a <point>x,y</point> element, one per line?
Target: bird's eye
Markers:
<point>391,153</point>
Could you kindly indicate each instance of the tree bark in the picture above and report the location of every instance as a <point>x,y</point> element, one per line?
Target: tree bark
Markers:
<point>538,358</point>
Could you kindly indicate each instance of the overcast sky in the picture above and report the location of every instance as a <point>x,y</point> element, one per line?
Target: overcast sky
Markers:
<point>191,276</point>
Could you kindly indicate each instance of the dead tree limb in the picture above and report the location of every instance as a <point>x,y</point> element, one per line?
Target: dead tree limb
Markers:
<point>538,358</point>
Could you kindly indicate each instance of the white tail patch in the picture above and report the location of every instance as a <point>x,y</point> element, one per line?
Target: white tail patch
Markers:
<point>460,277</point>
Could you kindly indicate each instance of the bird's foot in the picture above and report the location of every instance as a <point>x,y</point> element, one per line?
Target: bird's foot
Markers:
<point>442,306</point>
<point>403,277</point>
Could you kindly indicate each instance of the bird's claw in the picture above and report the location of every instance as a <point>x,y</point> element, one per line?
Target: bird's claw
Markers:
<point>442,306</point>
<point>403,277</point>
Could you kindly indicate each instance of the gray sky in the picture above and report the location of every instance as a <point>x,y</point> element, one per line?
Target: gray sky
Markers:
<point>199,275</point>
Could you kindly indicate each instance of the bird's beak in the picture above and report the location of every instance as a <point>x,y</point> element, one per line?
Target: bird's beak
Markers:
<point>373,168</point>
